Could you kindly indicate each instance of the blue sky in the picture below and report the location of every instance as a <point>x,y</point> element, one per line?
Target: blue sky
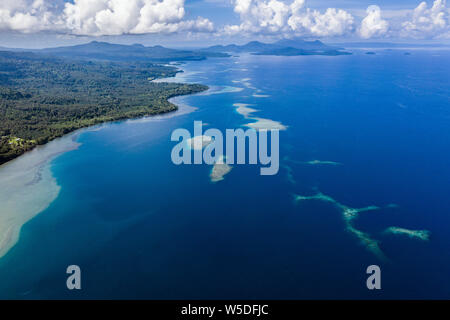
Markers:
<point>181,23</point>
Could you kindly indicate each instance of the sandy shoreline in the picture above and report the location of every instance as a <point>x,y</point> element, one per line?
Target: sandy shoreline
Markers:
<point>28,186</point>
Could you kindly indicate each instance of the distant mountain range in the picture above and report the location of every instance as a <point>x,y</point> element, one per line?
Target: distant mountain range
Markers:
<point>8,49</point>
<point>284,47</point>
<point>116,52</point>
<point>96,50</point>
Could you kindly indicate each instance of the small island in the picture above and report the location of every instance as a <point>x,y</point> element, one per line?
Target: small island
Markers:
<point>289,51</point>
<point>285,47</point>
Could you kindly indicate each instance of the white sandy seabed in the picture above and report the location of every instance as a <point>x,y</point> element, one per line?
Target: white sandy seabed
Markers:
<point>260,123</point>
<point>28,188</point>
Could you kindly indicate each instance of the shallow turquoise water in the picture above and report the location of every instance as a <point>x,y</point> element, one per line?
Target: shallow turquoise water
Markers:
<point>141,227</point>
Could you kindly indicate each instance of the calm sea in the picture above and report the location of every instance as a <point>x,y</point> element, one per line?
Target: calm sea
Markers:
<point>364,130</point>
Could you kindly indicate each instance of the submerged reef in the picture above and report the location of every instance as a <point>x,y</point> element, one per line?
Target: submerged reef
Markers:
<point>220,90</point>
<point>265,124</point>
<point>349,215</point>
<point>243,109</point>
<point>219,170</point>
<point>320,162</point>
<point>199,142</point>
<point>417,234</point>
<point>313,162</point>
<point>289,173</point>
<point>260,123</point>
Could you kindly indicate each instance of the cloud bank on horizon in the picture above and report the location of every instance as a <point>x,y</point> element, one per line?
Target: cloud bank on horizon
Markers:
<point>278,18</point>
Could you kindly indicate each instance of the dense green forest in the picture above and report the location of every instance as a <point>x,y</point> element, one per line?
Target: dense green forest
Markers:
<point>42,98</point>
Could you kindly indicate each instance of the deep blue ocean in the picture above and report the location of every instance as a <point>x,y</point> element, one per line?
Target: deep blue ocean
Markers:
<point>365,130</point>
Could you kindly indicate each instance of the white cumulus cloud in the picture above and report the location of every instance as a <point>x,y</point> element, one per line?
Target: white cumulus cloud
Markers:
<point>427,22</point>
<point>275,17</point>
<point>116,17</point>
<point>333,22</point>
<point>100,17</point>
<point>373,25</point>
<point>25,16</point>
<point>260,16</point>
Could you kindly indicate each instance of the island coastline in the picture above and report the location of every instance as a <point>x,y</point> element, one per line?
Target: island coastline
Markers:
<point>30,174</point>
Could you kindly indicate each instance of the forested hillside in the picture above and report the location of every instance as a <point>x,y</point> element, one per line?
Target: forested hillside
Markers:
<point>42,98</point>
